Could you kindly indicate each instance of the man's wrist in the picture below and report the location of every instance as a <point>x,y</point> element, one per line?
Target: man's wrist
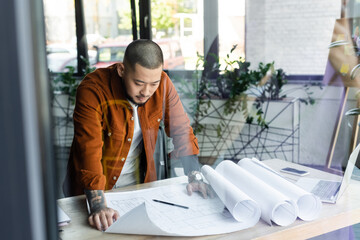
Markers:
<point>195,176</point>
<point>190,163</point>
<point>96,200</point>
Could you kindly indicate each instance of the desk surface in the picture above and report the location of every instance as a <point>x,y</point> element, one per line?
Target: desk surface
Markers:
<point>344,213</point>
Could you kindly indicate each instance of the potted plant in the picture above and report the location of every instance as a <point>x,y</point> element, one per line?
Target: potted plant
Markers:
<point>67,83</point>
<point>64,87</point>
<point>229,88</point>
<point>235,83</point>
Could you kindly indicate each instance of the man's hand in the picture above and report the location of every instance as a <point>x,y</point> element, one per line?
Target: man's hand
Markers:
<point>196,184</point>
<point>200,186</point>
<point>101,217</point>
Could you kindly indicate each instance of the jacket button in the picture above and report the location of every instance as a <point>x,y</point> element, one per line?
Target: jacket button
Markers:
<point>114,177</point>
<point>109,134</point>
<point>159,120</point>
<point>123,159</point>
<point>132,118</point>
<point>129,139</point>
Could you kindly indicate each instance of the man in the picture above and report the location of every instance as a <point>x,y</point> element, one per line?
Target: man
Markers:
<point>116,120</point>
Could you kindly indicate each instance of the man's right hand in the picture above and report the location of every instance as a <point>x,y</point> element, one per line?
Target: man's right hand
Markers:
<point>101,217</point>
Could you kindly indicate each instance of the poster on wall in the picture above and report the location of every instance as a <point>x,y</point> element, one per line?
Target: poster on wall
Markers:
<point>343,68</point>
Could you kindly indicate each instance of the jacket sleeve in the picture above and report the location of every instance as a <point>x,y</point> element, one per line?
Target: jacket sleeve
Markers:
<point>190,163</point>
<point>87,143</point>
<point>177,124</point>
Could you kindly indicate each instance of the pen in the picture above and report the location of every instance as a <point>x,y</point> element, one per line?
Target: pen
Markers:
<point>169,203</point>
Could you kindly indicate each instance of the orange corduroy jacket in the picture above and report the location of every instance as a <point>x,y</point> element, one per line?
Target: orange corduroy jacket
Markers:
<point>103,130</point>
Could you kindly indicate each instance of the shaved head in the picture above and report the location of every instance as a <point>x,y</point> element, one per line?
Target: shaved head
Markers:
<point>145,53</point>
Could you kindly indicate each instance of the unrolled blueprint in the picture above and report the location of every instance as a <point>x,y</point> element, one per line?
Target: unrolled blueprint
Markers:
<point>244,192</point>
<point>139,214</point>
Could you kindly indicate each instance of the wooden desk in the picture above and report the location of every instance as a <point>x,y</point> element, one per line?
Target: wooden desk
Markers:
<point>332,217</point>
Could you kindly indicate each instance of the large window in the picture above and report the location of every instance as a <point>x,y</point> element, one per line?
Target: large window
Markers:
<point>295,41</point>
<point>178,26</point>
<point>107,25</point>
<point>60,34</point>
<point>298,61</point>
<point>232,27</point>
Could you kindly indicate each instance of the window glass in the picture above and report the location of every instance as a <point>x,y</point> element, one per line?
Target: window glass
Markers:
<point>293,37</point>
<point>60,33</point>
<point>111,53</point>
<point>106,22</point>
<point>165,47</point>
<point>104,54</point>
<point>232,28</point>
<point>108,28</point>
<point>180,25</point>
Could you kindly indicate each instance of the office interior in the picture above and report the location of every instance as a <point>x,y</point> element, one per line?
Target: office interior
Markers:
<point>42,38</point>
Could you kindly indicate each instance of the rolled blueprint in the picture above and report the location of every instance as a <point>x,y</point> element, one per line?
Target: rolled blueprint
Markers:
<point>309,205</point>
<point>275,206</point>
<point>240,205</point>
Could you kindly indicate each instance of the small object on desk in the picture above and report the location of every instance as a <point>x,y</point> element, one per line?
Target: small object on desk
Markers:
<point>171,204</point>
<point>195,176</point>
<point>63,218</point>
<point>294,171</point>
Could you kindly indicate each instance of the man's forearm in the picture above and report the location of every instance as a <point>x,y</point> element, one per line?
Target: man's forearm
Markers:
<point>96,200</point>
<point>190,163</point>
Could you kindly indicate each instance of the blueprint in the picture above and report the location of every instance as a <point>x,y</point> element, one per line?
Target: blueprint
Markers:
<point>244,192</point>
<point>307,205</point>
<point>139,214</point>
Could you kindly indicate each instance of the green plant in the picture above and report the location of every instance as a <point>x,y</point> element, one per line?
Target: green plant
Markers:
<point>234,82</point>
<point>271,88</point>
<point>67,83</point>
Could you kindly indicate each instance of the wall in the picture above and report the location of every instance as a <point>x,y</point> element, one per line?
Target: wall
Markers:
<point>294,34</point>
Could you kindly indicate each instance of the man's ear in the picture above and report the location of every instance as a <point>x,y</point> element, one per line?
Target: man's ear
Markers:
<point>120,69</point>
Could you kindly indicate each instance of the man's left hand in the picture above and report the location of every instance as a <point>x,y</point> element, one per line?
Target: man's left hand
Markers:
<point>200,186</point>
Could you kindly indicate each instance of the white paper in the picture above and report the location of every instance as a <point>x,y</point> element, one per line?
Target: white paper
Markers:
<point>63,218</point>
<point>275,206</point>
<point>139,218</point>
<point>240,205</point>
<point>245,191</point>
<point>139,214</point>
<point>309,206</point>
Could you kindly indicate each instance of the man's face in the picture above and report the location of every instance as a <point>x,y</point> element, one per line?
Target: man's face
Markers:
<point>141,82</point>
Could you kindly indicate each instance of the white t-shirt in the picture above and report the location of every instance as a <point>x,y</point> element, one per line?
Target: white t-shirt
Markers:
<point>127,176</point>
